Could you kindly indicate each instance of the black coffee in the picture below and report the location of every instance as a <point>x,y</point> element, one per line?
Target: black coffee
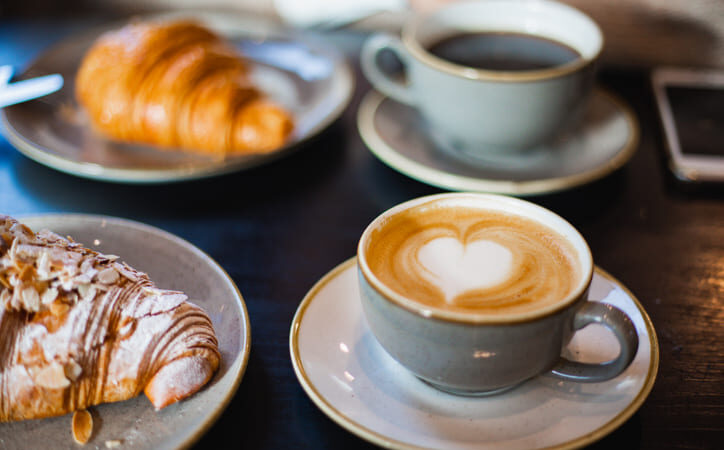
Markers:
<point>503,51</point>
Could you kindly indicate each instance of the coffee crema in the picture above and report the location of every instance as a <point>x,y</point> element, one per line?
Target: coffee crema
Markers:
<point>466,259</point>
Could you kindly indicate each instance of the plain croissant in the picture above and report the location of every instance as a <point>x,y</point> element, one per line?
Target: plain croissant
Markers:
<point>79,328</point>
<point>177,85</point>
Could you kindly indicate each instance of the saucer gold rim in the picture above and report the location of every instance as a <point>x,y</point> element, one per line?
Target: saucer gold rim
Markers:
<point>636,403</point>
<point>381,440</point>
<point>308,386</point>
<point>446,180</point>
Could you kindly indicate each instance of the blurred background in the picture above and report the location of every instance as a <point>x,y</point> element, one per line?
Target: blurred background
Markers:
<point>639,33</point>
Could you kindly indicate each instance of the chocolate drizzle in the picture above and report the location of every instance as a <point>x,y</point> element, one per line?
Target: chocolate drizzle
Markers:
<point>79,328</point>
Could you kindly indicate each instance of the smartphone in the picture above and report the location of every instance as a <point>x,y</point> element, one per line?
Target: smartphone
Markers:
<point>691,108</point>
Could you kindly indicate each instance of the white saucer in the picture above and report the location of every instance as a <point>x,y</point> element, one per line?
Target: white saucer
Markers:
<point>602,142</point>
<point>351,379</point>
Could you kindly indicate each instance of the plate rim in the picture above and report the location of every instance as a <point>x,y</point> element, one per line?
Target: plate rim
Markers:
<point>241,360</point>
<point>379,439</point>
<point>446,180</point>
<point>343,79</point>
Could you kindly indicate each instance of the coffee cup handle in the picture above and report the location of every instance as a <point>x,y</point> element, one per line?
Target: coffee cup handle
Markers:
<point>372,47</point>
<point>620,324</point>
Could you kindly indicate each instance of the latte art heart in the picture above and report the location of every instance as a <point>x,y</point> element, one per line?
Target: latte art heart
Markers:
<point>473,260</point>
<point>456,268</point>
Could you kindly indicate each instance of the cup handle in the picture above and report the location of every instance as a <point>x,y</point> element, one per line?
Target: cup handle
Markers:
<point>372,47</point>
<point>620,324</point>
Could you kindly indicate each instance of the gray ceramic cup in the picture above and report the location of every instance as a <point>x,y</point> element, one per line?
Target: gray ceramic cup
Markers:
<point>485,112</point>
<point>478,354</point>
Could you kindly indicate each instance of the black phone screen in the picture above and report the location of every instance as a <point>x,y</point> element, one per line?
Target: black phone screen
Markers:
<point>698,114</point>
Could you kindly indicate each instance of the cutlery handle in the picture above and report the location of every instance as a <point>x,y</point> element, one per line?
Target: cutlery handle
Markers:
<point>6,73</point>
<point>22,91</point>
<point>373,46</point>
<point>619,323</point>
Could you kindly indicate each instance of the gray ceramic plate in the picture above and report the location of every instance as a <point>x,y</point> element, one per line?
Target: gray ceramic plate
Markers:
<point>304,74</point>
<point>173,264</point>
<point>603,141</point>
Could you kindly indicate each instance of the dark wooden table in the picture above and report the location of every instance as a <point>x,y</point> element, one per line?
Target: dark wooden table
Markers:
<point>277,229</point>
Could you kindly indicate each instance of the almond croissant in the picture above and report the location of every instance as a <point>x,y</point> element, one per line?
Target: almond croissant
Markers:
<point>177,85</point>
<point>79,328</point>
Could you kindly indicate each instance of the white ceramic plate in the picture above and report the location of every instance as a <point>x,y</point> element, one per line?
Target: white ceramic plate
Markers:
<point>602,142</point>
<point>357,384</point>
<point>173,264</point>
<point>304,74</point>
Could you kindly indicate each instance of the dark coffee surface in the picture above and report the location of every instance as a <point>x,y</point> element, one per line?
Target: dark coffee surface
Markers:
<point>503,51</point>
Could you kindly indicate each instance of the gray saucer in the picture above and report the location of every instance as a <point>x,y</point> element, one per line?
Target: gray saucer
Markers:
<point>306,75</point>
<point>173,264</point>
<point>603,141</point>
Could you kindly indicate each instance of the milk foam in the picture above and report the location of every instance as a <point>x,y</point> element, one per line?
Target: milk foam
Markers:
<point>468,259</point>
<point>456,268</point>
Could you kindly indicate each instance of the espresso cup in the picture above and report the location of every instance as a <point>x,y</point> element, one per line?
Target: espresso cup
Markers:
<point>476,293</point>
<point>492,77</point>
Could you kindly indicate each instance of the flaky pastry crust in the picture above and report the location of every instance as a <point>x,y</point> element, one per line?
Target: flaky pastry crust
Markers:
<point>79,328</point>
<point>177,85</point>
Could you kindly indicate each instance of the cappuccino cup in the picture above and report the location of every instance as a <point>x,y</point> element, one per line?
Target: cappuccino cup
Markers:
<point>493,77</point>
<point>476,293</point>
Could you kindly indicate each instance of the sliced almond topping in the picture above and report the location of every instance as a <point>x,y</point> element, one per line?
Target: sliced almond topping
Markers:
<point>126,271</point>
<point>70,265</point>
<point>108,275</point>
<point>83,278</point>
<point>84,289</point>
<point>73,370</point>
<point>86,265</point>
<point>91,294</point>
<point>5,298</point>
<point>66,282</point>
<point>82,426</point>
<point>43,266</point>
<point>31,299</point>
<point>52,376</point>
<point>49,296</point>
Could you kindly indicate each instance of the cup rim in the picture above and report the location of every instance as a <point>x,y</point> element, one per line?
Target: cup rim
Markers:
<point>409,31</point>
<point>470,317</point>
